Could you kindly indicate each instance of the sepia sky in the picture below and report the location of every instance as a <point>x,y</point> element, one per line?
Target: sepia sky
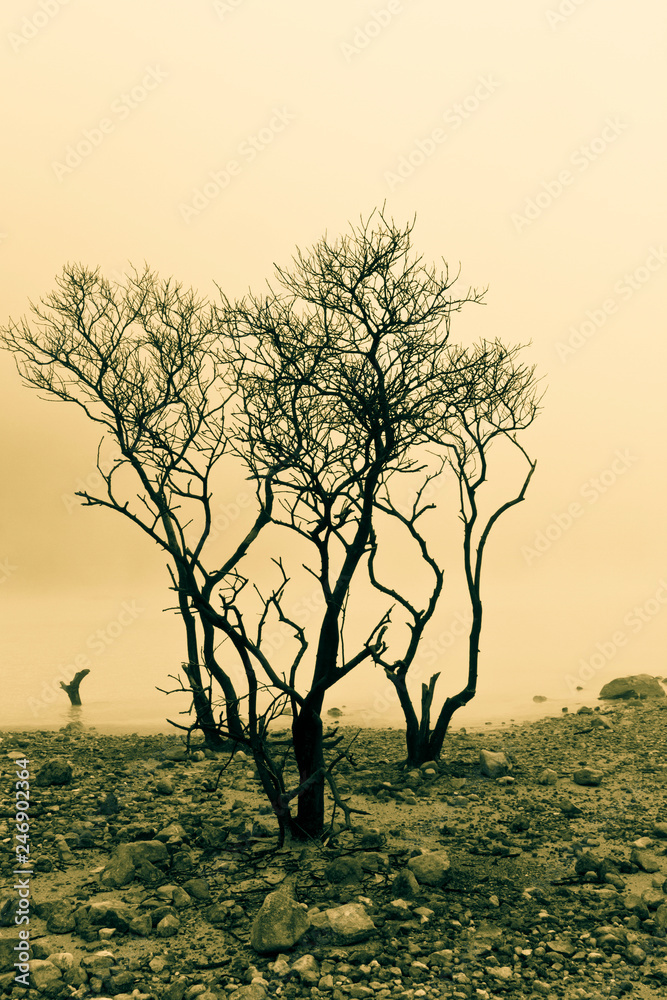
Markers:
<point>210,139</point>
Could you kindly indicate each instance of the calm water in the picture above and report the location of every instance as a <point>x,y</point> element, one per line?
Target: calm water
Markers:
<point>131,648</point>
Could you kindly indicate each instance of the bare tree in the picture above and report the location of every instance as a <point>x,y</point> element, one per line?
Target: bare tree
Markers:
<point>332,390</point>
<point>138,360</point>
<point>487,397</point>
<point>339,370</point>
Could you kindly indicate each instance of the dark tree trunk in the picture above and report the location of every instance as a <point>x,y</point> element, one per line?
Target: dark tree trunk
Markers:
<point>73,687</point>
<point>200,700</point>
<point>422,743</point>
<point>309,752</point>
<point>234,725</point>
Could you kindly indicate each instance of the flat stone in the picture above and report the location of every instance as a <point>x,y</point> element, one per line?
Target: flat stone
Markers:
<point>350,922</point>
<point>588,776</point>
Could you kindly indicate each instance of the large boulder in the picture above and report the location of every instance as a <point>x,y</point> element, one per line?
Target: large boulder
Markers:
<point>280,923</point>
<point>637,686</point>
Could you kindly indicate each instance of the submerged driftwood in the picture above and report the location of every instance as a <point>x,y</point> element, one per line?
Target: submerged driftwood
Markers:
<point>73,687</point>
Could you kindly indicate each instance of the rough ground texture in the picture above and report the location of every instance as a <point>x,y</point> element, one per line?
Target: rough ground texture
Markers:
<point>151,872</point>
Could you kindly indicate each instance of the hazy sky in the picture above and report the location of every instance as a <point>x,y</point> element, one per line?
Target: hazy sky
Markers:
<point>209,139</point>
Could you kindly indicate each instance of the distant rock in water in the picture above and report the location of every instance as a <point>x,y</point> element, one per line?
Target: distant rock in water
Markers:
<point>637,686</point>
<point>539,698</point>
<point>335,713</point>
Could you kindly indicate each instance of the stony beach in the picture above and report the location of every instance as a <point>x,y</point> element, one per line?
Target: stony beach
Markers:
<point>530,862</point>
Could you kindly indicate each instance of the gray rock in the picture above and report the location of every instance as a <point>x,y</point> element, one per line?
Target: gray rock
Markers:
<point>636,686</point>
<point>568,808</point>
<point>148,874</point>
<point>635,954</point>
<point>108,804</point>
<point>62,847</point>
<point>168,926</point>
<point>335,713</point>
<point>547,777</point>
<point>589,776</point>
<point>45,977</point>
<point>172,834</point>
<point>350,922</point>
<point>344,870</point>
<point>148,850</point>
<point>110,913</point>
<point>141,925</point>
<point>164,787</point>
<point>644,860</point>
<point>198,888</point>
<point>307,968</point>
<point>660,829</point>
<point>120,869</point>
<point>254,991</point>
<point>431,868</point>
<point>8,941</point>
<point>405,885</point>
<point>539,698</point>
<point>54,772</point>
<point>61,919</point>
<point>7,912</point>
<point>494,764</point>
<point>137,858</point>
<point>280,923</point>
<point>661,917</point>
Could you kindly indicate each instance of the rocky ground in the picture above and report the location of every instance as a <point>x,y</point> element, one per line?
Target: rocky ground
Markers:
<point>535,871</point>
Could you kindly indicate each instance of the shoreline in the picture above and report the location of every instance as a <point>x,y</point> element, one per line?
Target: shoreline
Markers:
<point>521,714</point>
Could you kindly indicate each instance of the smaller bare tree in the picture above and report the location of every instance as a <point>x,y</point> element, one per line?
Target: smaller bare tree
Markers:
<point>488,396</point>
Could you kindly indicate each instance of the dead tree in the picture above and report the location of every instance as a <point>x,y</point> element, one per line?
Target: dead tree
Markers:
<point>72,688</point>
<point>337,374</point>
<point>138,360</point>
<point>489,396</point>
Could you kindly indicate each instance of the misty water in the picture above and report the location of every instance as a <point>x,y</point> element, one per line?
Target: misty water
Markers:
<point>136,647</point>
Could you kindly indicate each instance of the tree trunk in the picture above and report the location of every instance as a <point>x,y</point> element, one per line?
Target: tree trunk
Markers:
<point>309,752</point>
<point>422,744</point>
<point>200,700</point>
<point>73,687</point>
<point>451,705</point>
<point>234,725</point>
